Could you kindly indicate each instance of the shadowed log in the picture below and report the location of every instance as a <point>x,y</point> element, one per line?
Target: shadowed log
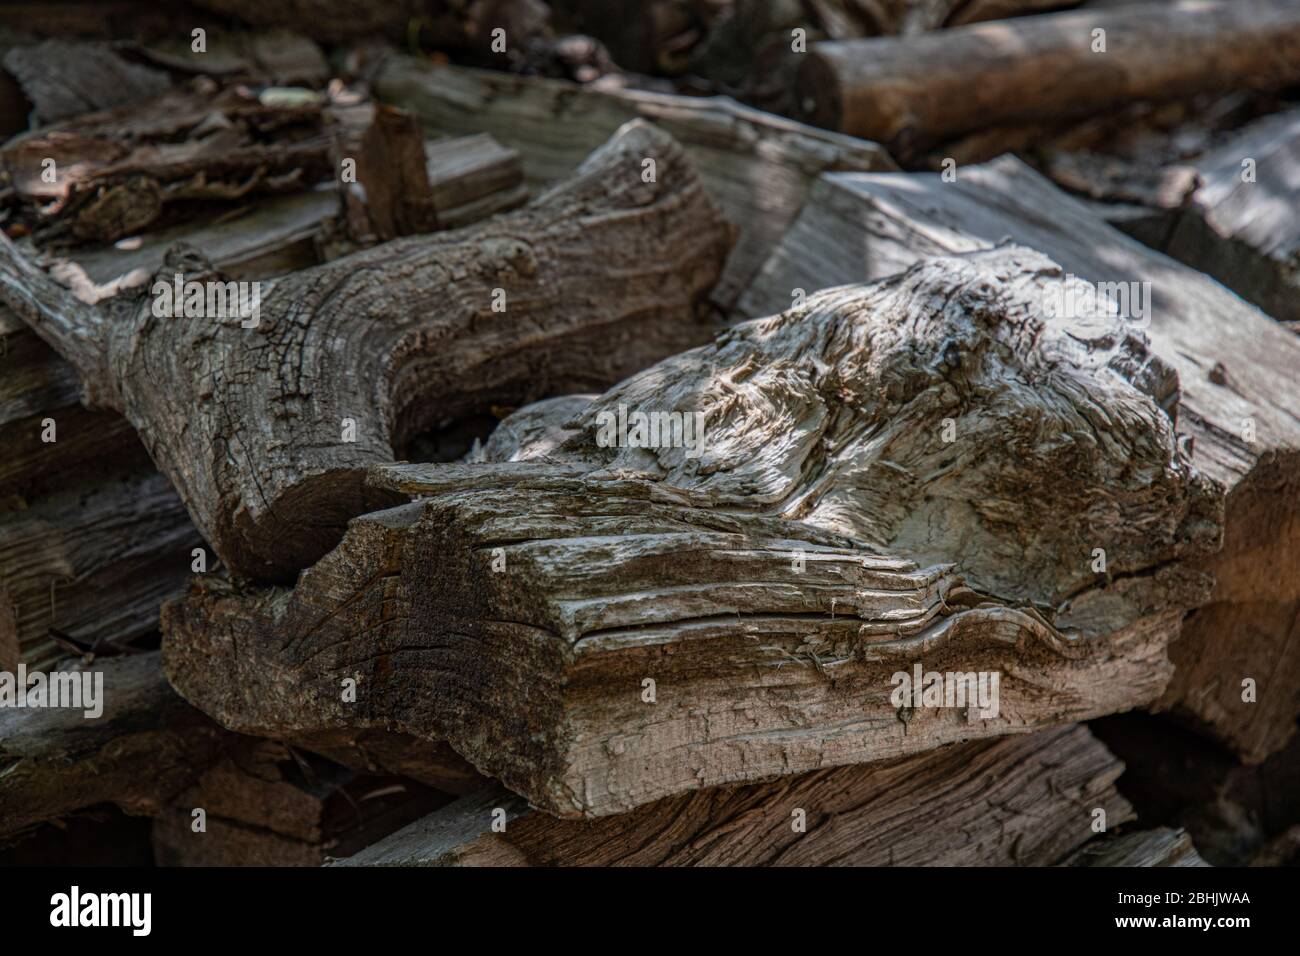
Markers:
<point>265,425</point>
<point>1017,801</point>
<point>1236,369</point>
<point>145,748</point>
<point>912,93</point>
<point>772,586</point>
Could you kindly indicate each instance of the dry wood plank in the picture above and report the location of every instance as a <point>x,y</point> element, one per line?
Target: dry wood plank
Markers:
<point>600,276</point>
<point>1161,846</point>
<point>1238,407</point>
<point>770,587</point>
<point>1014,801</point>
<point>915,92</point>
<point>756,166</point>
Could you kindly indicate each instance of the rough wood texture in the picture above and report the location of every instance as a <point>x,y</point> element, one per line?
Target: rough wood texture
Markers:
<point>391,165</point>
<point>915,92</point>
<point>147,746</point>
<point>826,538</point>
<point>600,276</point>
<point>1015,801</point>
<point>1237,372</point>
<point>66,79</point>
<point>1159,847</point>
<point>1245,234</point>
<point>267,806</point>
<point>756,166</point>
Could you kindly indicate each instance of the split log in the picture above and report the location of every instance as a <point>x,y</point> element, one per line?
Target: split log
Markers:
<point>265,431</point>
<point>1014,801</point>
<point>266,806</point>
<point>1159,847</point>
<point>913,93</point>
<point>756,166</point>
<point>774,586</point>
<point>1236,368</point>
<point>145,749</point>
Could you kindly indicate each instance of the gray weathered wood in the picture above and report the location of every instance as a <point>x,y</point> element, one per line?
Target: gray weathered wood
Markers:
<point>755,165</point>
<point>826,538</point>
<point>1016,801</point>
<point>1238,407</point>
<point>1162,846</point>
<point>600,276</point>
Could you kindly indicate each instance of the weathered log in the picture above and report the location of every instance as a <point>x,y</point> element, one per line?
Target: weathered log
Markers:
<point>1236,369</point>
<point>263,805</point>
<point>265,425</point>
<point>1159,847</point>
<point>1240,222</point>
<point>67,79</point>
<point>756,166</point>
<point>912,93</point>
<point>1016,801</point>
<point>772,587</point>
<point>145,749</point>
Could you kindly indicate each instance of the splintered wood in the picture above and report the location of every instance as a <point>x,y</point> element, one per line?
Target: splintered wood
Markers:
<point>522,433</point>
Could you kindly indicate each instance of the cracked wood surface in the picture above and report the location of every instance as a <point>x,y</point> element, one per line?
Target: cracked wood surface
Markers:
<point>1236,367</point>
<point>826,538</point>
<point>1014,801</point>
<point>601,275</point>
<point>756,166</point>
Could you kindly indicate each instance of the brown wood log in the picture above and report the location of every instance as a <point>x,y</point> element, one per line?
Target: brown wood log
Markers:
<point>600,276</point>
<point>825,540</point>
<point>1237,410</point>
<point>1014,801</point>
<point>1161,846</point>
<point>756,166</point>
<point>912,93</point>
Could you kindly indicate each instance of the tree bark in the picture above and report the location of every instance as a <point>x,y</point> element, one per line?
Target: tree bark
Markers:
<point>910,94</point>
<point>1015,801</point>
<point>755,165</point>
<point>1236,369</point>
<point>265,431</point>
<point>770,587</point>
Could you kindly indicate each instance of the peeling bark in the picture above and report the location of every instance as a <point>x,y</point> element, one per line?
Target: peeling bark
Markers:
<point>773,585</point>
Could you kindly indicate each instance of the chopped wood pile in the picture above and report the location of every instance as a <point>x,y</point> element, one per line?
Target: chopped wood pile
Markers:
<point>675,433</point>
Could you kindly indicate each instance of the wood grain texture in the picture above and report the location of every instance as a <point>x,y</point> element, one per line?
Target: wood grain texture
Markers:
<point>911,93</point>
<point>1161,846</point>
<point>1238,408</point>
<point>826,538</point>
<point>756,166</point>
<point>1015,801</point>
<point>599,277</point>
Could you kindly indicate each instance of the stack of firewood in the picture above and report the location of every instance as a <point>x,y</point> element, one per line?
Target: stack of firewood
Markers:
<point>671,433</point>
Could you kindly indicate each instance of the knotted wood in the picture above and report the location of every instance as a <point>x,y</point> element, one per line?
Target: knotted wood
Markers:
<point>825,538</point>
